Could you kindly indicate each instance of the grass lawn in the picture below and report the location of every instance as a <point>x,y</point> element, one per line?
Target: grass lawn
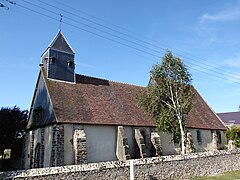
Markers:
<point>226,176</point>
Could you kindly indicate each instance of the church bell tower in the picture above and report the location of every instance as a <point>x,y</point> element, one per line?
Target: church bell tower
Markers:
<point>58,60</point>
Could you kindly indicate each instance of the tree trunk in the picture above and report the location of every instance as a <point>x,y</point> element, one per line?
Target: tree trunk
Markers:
<point>183,150</point>
<point>182,138</point>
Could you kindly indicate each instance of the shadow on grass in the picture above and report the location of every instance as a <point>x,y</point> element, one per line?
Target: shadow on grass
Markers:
<point>233,175</point>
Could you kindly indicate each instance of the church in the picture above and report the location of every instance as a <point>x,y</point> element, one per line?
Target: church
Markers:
<point>76,119</point>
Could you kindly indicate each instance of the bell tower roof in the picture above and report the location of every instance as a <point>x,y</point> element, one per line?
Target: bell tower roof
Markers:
<point>58,60</point>
<point>60,43</point>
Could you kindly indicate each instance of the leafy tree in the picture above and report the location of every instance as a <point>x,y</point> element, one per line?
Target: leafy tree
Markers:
<point>234,134</point>
<point>12,124</point>
<point>169,96</point>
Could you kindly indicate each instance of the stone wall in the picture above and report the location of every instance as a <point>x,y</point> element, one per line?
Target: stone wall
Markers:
<point>42,148</point>
<point>57,155</point>
<point>54,145</point>
<point>80,148</point>
<point>122,149</point>
<point>164,167</point>
<point>140,142</point>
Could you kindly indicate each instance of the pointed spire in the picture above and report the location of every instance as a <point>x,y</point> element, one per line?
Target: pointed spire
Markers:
<point>60,43</point>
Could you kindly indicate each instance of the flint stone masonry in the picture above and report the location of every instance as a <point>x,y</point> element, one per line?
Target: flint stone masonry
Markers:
<point>156,141</point>
<point>189,145</point>
<point>122,150</point>
<point>164,167</point>
<point>214,141</point>
<point>57,156</point>
<point>141,143</point>
<point>80,148</point>
<point>42,148</point>
<point>32,148</point>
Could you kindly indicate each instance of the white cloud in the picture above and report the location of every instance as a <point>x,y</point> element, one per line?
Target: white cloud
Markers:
<point>211,29</point>
<point>224,16</point>
<point>233,61</point>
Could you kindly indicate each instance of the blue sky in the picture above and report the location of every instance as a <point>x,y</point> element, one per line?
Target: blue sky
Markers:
<point>121,40</point>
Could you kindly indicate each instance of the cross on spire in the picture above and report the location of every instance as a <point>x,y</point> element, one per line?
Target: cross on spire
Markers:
<point>60,25</point>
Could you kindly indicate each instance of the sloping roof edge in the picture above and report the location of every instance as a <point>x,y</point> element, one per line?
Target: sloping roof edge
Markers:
<point>34,95</point>
<point>47,88</point>
<point>212,111</point>
<point>42,74</point>
<point>54,40</point>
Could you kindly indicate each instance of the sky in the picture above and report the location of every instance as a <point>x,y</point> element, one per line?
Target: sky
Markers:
<point>121,40</point>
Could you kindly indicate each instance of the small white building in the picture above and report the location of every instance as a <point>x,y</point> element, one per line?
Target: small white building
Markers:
<point>78,119</point>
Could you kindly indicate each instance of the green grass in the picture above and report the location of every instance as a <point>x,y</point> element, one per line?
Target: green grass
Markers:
<point>225,176</point>
<point>7,154</point>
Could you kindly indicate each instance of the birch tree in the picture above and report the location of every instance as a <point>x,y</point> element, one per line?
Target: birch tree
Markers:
<point>169,96</point>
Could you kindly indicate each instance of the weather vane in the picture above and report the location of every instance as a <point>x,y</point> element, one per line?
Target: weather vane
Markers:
<point>60,26</point>
<point>4,6</point>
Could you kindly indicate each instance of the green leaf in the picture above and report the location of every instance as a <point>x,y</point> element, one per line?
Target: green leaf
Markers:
<point>169,94</point>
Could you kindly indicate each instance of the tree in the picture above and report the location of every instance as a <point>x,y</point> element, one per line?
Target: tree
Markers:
<point>234,134</point>
<point>169,96</point>
<point>12,124</point>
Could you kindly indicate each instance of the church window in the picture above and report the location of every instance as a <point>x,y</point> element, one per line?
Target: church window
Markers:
<point>37,113</point>
<point>71,63</point>
<point>219,138</point>
<point>52,60</point>
<point>199,137</point>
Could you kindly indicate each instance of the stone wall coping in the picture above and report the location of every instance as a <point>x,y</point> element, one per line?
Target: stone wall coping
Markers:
<point>111,164</point>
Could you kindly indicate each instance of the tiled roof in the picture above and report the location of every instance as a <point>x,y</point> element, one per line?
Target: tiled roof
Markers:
<point>97,101</point>
<point>230,117</point>
<point>103,102</point>
<point>202,116</point>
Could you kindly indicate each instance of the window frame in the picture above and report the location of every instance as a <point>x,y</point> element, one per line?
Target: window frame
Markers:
<point>199,137</point>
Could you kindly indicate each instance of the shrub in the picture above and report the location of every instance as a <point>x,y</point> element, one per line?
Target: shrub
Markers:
<point>234,134</point>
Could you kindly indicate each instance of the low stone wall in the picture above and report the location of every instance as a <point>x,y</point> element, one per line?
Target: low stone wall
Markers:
<point>164,167</point>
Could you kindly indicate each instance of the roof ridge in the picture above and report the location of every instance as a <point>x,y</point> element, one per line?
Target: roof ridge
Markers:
<point>229,112</point>
<point>127,84</point>
<point>109,80</point>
